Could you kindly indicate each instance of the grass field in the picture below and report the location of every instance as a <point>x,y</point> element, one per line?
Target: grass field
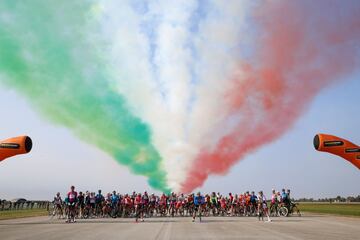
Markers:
<point>334,208</point>
<point>22,213</point>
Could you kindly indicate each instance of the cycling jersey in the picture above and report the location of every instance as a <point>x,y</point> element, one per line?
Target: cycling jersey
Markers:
<point>181,199</point>
<point>247,199</point>
<point>72,196</point>
<point>163,200</point>
<point>198,200</point>
<point>81,200</point>
<point>128,201</point>
<point>253,198</point>
<point>285,198</point>
<point>57,200</point>
<point>138,200</point>
<point>262,200</point>
<point>99,198</point>
<point>273,198</point>
<point>114,199</point>
<point>145,199</point>
<point>87,200</point>
<point>172,200</point>
<point>223,203</point>
<point>179,204</point>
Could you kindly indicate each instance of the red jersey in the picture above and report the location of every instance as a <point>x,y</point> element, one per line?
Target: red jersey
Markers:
<point>138,200</point>
<point>128,201</point>
<point>223,203</point>
<point>72,196</point>
<point>163,200</point>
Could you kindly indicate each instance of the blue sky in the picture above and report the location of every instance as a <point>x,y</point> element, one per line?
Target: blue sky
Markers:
<point>59,159</point>
<point>183,49</point>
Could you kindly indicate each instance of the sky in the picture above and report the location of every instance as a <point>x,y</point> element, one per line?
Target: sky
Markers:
<point>58,159</point>
<point>179,96</point>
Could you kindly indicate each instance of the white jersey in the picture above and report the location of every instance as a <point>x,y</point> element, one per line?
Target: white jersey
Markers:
<point>262,199</point>
<point>57,200</point>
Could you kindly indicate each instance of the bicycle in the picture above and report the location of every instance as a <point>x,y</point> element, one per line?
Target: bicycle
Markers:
<point>71,212</point>
<point>197,209</point>
<point>294,209</point>
<point>57,211</point>
<point>274,210</point>
<point>260,212</point>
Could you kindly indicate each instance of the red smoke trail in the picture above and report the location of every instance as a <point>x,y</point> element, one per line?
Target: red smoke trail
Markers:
<point>300,51</point>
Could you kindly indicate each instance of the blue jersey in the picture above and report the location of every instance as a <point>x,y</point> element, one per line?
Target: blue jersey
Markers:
<point>114,199</point>
<point>198,200</point>
<point>253,198</point>
<point>99,198</point>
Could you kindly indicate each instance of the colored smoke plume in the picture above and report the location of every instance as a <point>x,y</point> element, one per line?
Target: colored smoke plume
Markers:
<point>299,52</point>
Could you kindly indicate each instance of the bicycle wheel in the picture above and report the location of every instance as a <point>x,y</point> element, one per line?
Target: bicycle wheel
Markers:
<point>283,211</point>
<point>113,213</point>
<point>86,213</point>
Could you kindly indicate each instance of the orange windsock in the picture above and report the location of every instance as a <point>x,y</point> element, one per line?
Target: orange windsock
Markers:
<point>338,146</point>
<point>14,146</point>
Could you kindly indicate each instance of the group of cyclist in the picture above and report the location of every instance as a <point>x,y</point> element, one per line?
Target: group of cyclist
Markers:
<point>141,205</point>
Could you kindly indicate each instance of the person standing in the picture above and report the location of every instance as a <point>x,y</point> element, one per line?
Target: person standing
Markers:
<point>262,206</point>
<point>199,200</point>
<point>72,197</point>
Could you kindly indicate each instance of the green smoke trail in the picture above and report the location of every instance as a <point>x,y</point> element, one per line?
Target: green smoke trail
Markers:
<point>47,53</point>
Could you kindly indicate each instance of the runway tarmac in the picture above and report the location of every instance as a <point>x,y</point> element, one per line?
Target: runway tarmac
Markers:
<point>307,227</point>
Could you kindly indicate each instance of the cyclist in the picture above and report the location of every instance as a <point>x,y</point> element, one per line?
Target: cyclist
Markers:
<point>133,196</point>
<point>214,203</point>
<point>93,202</point>
<point>152,204</point>
<point>253,202</point>
<point>99,200</point>
<point>58,204</point>
<point>72,200</point>
<point>128,203</point>
<point>285,199</point>
<point>107,206</point>
<point>223,209</point>
<point>114,199</point>
<point>274,203</point>
<point>262,207</point>
<point>172,204</point>
<point>162,204</point>
<point>288,195</point>
<point>198,201</point>
<point>180,204</point>
<point>138,208</point>
<point>145,199</point>
<point>235,205</point>
<point>81,204</point>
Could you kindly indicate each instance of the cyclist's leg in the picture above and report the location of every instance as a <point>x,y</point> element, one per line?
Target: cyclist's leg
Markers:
<point>194,213</point>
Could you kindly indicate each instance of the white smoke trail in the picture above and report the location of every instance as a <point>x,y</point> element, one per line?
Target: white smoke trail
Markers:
<point>171,60</point>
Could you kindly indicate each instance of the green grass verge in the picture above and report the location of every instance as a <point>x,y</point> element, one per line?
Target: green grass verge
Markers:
<point>337,209</point>
<point>22,213</point>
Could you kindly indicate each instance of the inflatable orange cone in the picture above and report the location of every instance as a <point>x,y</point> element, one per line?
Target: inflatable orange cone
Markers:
<point>338,146</point>
<point>14,146</point>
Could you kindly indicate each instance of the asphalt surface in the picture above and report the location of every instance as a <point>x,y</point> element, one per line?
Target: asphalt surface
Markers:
<point>305,227</point>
